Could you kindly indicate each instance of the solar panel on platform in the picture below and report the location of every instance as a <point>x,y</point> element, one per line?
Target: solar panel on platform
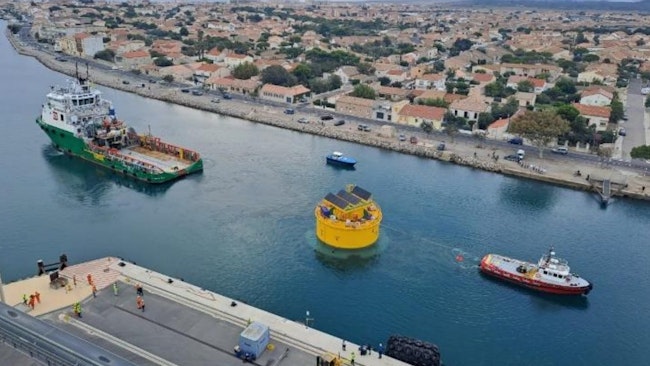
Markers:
<point>336,201</point>
<point>360,192</point>
<point>348,197</point>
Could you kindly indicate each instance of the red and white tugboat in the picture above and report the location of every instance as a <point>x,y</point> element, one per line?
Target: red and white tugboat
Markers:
<point>550,274</point>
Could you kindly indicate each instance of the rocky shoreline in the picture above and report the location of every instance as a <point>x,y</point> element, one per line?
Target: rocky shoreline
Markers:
<point>466,154</point>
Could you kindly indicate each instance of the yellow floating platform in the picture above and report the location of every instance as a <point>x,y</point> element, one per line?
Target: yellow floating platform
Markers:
<point>349,219</point>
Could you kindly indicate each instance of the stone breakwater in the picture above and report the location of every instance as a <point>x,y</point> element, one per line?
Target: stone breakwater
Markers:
<point>558,173</point>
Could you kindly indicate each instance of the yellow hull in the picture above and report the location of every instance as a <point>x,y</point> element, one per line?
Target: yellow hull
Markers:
<point>347,235</point>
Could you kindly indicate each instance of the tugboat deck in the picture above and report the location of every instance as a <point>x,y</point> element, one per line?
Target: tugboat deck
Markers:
<point>165,162</point>
<point>183,324</point>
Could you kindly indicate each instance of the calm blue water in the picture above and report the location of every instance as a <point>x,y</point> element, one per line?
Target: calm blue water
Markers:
<point>244,228</point>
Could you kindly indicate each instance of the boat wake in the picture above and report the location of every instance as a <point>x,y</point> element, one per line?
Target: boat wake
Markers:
<point>50,151</point>
<point>460,257</point>
<point>465,260</point>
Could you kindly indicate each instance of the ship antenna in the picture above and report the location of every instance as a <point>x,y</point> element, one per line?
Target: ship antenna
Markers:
<point>87,72</point>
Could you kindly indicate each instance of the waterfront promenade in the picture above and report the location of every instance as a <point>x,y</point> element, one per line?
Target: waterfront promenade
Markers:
<point>183,324</point>
<point>468,152</point>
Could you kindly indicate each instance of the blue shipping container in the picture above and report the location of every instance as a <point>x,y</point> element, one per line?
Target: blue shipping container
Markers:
<point>254,339</point>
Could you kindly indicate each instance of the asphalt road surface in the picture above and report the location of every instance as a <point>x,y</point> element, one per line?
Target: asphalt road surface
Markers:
<point>634,127</point>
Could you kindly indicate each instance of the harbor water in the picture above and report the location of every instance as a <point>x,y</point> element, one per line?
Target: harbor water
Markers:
<point>245,228</point>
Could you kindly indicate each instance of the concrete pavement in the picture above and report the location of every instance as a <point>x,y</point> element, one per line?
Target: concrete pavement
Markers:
<point>183,324</point>
<point>635,127</point>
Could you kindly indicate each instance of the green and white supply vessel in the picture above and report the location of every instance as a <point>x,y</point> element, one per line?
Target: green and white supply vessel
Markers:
<point>80,123</point>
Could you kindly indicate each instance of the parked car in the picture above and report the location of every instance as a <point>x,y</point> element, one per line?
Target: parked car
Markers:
<point>339,122</point>
<point>414,140</point>
<point>402,137</point>
<point>512,157</point>
<point>303,120</point>
<point>441,146</point>
<point>516,141</point>
<point>185,90</point>
<point>215,100</point>
<point>227,96</point>
<point>289,111</point>
<point>197,92</point>
<point>326,117</point>
<point>126,82</point>
<point>363,127</point>
<point>560,150</point>
<point>622,132</point>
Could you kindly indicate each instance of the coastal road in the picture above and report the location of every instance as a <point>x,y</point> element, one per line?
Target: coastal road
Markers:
<point>634,127</point>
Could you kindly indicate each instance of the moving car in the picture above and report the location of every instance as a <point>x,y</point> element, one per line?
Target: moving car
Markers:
<point>516,141</point>
<point>622,132</point>
<point>326,117</point>
<point>560,150</point>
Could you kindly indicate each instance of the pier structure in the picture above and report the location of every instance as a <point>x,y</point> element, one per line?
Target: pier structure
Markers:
<point>606,188</point>
<point>183,324</point>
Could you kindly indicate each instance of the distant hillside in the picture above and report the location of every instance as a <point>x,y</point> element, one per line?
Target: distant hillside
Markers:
<point>639,6</point>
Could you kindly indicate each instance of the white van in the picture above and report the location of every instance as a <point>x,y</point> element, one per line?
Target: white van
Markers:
<point>521,154</point>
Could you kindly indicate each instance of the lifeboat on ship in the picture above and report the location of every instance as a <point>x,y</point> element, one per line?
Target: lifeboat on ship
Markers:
<point>551,274</point>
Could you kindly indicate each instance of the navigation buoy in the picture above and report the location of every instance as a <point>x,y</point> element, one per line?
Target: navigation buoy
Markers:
<point>459,258</point>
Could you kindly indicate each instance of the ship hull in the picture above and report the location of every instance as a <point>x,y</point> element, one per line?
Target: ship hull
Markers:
<point>68,143</point>
<point>531,283</point>
<point>341,163</point>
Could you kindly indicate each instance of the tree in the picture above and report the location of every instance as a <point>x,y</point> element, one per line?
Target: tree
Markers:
<point>183,32</point>
<point>107,55</point>
<point>245,71</point>
<point>278,75</point>
<point>427,126</point>
<point>365,68</point>
<point>484,120</point>
<point>363,91</point>
<point>525,86</point>
<point>540,127</point>
<point>568,112</point>
<point>641,152</point>
<point>168,78</point>
<point>334,82</point>
<point>590,58</point>
<point>303,73</point>
<point>162,62</point>
<point>14,28</point>
<point>647,101</point>
<point>431,102</point>
<point>384,80</point>
<point>618,111</point>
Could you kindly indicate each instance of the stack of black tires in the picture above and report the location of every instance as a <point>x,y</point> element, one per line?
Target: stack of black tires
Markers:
<point>413,351</point>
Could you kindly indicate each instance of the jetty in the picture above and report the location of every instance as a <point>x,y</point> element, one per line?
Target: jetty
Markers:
<point>606,188</point>
<point>183,324</point>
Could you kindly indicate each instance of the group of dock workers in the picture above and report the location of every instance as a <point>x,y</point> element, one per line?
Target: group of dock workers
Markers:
<point>76,307</point>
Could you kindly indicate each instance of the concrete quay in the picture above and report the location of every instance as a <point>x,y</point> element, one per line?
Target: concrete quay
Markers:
<point>468,153</point>
<point>183,324</point>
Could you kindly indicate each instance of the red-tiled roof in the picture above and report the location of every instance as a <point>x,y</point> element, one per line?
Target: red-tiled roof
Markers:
<point>135,54</point>
<point>482,78</point>
<point>282,90</point>
<point>593,110</point>
<point>423,111</point>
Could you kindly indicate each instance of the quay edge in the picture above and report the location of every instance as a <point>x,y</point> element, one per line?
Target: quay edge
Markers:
<point>245,113</point>
<point>56,304</point>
